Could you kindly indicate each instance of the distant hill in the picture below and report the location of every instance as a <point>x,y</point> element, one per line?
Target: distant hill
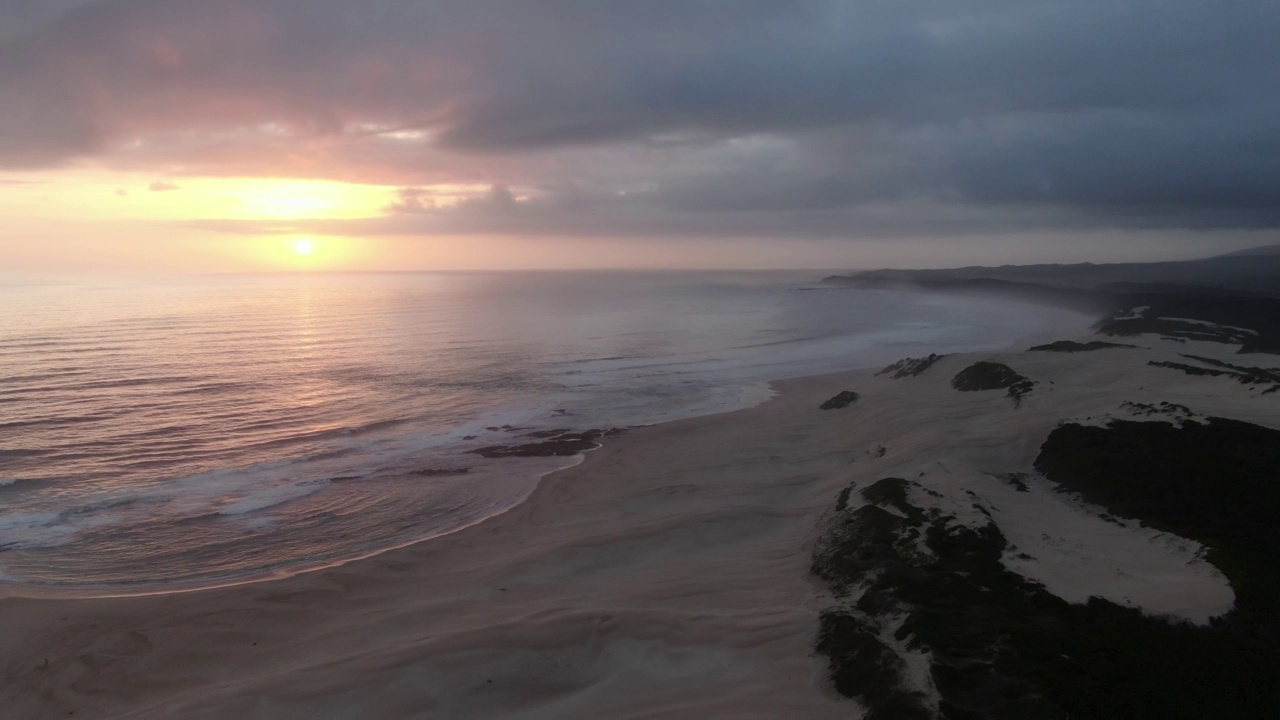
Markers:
<point>1240,289</point>
<point>1254,252</point>
<point>1247,272</point>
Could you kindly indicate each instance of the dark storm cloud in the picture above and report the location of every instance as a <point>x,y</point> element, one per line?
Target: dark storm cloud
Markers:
<point>632,117</point>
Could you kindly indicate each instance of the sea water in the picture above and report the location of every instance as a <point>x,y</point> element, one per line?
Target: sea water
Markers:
<point>179,433</point>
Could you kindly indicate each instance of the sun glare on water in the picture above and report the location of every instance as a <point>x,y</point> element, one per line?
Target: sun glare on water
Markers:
<point>307,253</point>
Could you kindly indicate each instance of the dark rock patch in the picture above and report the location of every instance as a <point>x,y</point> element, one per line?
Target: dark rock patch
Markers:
<point>993,376</point>
<point>565,445</point>
<point>1018,481</point>
<point>1250,373</point>
<point>842,400</point>
<point>910,367</point>
<point>547,433</point>
<point>560,445</point>
<point>1189,369</point>
<point>441,472</point>
<point>1070,346</point>
<point>1241,374</point>
<point>1180,412</point>
<point>863,667</point>
<point>842,501</point>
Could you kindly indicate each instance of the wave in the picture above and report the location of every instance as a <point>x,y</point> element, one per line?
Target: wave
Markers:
<point>27,530</point>
<point>22,452</point>
<point>53,422</point>
<point>19,379</point>
<point>100,351</point>
<point>609,358</point>
<point>213,388</point>
<point>125,382</point>
<point>291,437</point>
<point>277,495</point>
<point>775,343</point>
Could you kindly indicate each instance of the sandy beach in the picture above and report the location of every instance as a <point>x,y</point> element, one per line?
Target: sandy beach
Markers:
<point>559,359</point>
<point>667,575</point>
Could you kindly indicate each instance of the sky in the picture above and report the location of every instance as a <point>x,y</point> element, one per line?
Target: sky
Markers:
<point>245,135</point>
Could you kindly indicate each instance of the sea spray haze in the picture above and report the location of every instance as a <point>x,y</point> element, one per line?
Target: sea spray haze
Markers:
<point>181,433</point>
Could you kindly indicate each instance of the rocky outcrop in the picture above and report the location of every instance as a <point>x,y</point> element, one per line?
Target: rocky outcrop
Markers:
<point>563,444</point>
<point>910,367</point>
<point>993,376</point>
<point>842,400</point>
<point>441,472</point>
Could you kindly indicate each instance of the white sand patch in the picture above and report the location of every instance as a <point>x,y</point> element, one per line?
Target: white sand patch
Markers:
<point>1077,552</point>
<point>918,676</point>
<point>960,445</point>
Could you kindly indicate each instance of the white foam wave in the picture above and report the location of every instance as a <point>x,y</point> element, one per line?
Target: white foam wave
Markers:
<point>271,496</point>
<point>30,530</point>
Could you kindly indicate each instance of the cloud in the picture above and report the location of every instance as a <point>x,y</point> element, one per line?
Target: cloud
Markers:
<point>411,201</point>
<point>497,200</point>
<point>162,186</point>
<point>706,116</point>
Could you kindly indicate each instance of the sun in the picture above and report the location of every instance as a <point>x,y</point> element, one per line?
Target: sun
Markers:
<point>304,246</point>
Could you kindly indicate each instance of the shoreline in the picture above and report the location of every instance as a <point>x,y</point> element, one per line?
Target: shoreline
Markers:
<point>665,575</point>
<point>119,618</point>
<point>1070,321</point>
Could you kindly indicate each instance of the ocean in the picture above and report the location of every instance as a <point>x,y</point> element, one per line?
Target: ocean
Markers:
<point>161,435</point>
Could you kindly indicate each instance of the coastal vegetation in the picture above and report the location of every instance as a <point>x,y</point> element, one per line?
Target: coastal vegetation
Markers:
<point>1071,346</point>
<point>908,578</point>
<point>1253,323</point>
<point>1241,374</point>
